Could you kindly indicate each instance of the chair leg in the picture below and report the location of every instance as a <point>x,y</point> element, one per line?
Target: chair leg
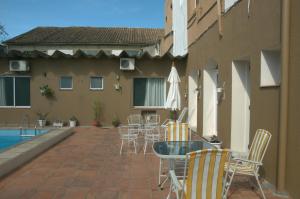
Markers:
<point>159,171</point>
<point>145,147</point>
<point>121,148</point>
<point>259,185</point>
<point>227,186</point>
<point>134,143</point>
<point>170,191</point>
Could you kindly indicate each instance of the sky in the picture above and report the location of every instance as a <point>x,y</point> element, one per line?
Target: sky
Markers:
<point>19,16</point>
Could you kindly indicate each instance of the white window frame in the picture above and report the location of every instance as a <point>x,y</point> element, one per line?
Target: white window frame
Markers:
<point>14,93</point>
<point>150,107</point>
<point>60,88</point>
<point>96,89</point>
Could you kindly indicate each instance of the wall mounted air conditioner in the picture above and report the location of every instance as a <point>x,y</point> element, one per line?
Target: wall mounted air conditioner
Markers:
<point>18,65</point>
<point>127,63</point>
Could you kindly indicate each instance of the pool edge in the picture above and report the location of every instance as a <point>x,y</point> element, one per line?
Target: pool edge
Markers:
<point>15,157</point>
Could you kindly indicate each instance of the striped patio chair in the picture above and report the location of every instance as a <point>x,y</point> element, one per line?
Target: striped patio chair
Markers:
<point>175,131</point>
<point>250,166</point>
<point>204,175</point>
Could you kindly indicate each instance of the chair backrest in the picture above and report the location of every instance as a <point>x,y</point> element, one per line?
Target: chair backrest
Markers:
<point>152,119</point>
<point>177,131</point>
<point>205,171</point>
<point>182,114</point>
<point>259,145</point>
<point>127,131</point>
<point>135,119</point>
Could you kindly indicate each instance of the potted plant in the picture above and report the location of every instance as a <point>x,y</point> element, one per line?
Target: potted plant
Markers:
<point>116,121</point>
<point>173,115</point>
<point>42,119</point>
<point>73,121</point>
<point>46,91</point>
<point>97,108</point>
<point>214,141</point>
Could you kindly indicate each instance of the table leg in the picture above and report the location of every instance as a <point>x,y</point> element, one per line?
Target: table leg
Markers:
<point>171,167</point>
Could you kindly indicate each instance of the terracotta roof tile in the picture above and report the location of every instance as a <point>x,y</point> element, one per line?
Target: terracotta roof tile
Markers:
<point>89,35</point>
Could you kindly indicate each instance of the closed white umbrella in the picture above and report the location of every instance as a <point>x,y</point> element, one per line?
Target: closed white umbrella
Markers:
<point>173,100</point>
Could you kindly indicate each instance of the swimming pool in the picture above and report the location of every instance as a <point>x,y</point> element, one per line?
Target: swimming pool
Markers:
<point>11,137</point>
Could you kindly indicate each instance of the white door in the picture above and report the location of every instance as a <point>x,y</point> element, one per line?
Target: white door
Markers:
<point>210,102</point>
<point>240,108</point>
<point>193,96</point>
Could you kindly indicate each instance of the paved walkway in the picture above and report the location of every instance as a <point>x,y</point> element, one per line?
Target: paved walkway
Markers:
<point>88,165</point>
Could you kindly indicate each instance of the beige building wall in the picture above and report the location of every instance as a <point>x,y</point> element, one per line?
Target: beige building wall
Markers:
<point>243,39</point>
<point>200,18</point>
<point>78,102</point>
<point>167,40</point>
<point>293,142</point>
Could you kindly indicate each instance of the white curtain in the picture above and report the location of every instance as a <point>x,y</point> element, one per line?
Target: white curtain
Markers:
<point>2,92</point>
<point>180,36</point>
<point>154,92</point>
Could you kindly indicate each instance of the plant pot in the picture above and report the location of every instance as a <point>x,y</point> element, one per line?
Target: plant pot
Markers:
<point>42,123</point>
<point>96,123</point>
<point>217,144</point>
<point>72,123</point>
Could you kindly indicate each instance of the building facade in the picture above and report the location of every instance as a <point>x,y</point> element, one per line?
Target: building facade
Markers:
<point>82,66</point>
<point>237,59</point>
<point>236,74</point>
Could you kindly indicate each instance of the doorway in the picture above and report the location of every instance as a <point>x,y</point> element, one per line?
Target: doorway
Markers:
<point>210,101</point>
<point>193,100</point>
<point>240,106</point>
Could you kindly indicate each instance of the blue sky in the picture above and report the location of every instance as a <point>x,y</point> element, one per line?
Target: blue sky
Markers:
<point>19,16</point>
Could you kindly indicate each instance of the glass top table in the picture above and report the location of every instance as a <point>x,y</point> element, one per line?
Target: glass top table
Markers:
<point>178,149</point>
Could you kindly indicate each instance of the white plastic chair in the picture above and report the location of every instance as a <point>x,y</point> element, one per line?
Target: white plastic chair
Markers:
<point>250,166</point>
<point>135,121</point>
<point>151,135</point>
<point>128,134</point>
<point>151,130</point>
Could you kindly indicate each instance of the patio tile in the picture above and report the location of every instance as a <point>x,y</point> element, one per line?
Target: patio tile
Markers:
<point>75,193</point>
<point>43,195</point>
<point>88,165</point>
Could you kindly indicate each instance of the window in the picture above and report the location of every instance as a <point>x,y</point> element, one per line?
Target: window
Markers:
<point>96,83</point>
<point>14,92</point>
<point>228,4</point>
<point>270,69</point>
<point>149,92</point>
<point>66,83</point>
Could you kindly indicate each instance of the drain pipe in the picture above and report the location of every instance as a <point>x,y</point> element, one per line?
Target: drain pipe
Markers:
<point>283,129</point>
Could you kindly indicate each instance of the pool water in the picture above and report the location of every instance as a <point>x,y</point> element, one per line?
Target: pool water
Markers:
<point>11,137</point>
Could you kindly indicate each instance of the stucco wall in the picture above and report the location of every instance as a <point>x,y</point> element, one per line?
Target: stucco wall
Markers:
<point>293,144</point>
<point>167,40</point>
<point>79,101</point>
<point>200,18</point>
<point>244,38</point>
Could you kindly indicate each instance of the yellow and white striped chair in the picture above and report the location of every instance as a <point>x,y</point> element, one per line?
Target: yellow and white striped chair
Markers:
<point>175,131</point>
<point>204,175</point>
<point>250,166</point>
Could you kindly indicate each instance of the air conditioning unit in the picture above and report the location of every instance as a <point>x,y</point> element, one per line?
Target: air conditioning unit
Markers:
<point>18,65</point>
<point>127,63</point>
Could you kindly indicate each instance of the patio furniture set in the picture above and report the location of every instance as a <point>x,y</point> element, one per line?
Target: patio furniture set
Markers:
<point>196,168</point>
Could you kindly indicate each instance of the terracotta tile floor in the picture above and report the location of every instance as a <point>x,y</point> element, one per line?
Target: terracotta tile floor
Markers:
<point>88,165</point>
